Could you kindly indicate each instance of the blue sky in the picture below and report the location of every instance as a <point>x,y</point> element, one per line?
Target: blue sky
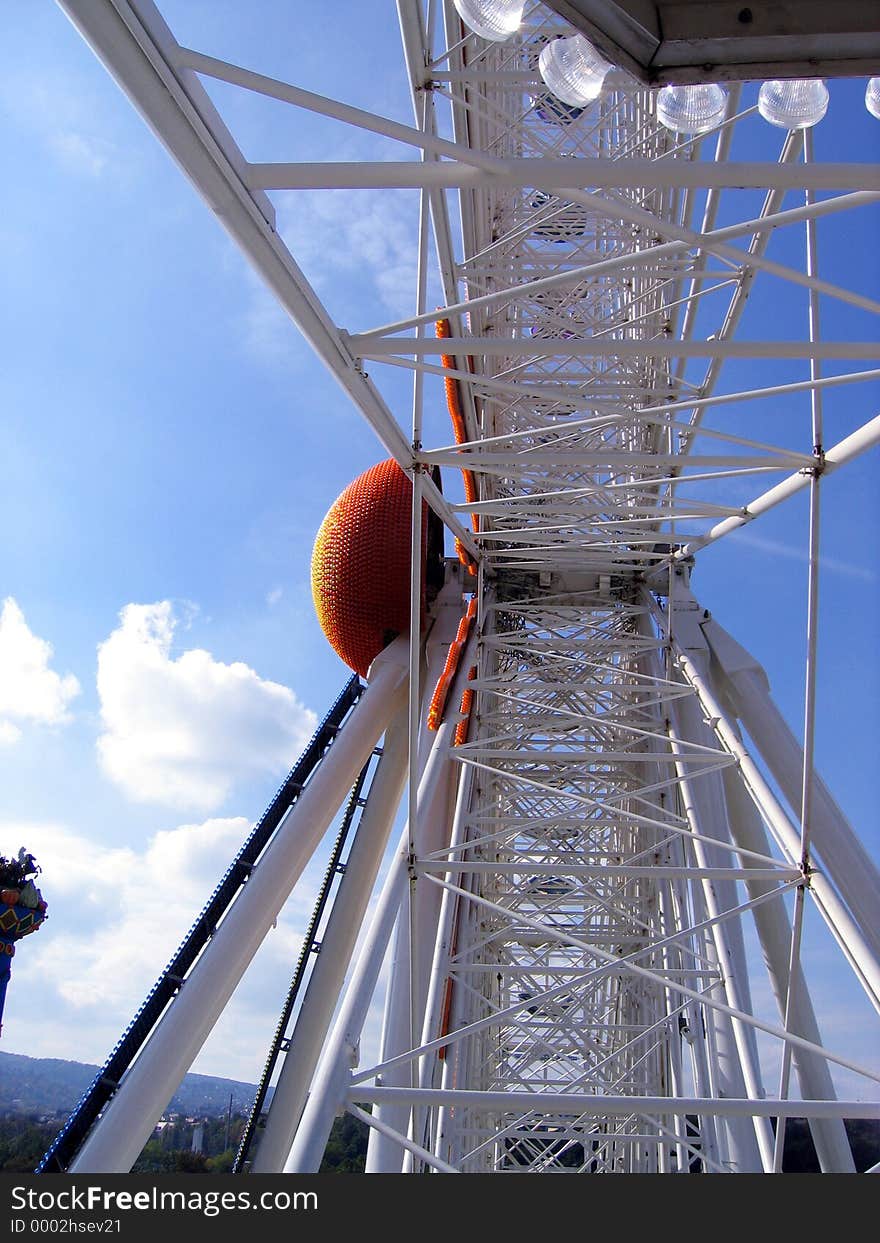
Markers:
<point>169,447</point>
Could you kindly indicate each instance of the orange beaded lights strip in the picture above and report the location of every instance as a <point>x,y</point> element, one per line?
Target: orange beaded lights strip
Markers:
<point>467,703</point>
<point>453,656</point>
<point>453,403</point>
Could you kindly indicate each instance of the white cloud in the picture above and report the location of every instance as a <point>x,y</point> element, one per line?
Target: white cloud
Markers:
<point>79,153</point>
<point>66,115</point>
<point>29,689</point>
<point>796,552</point>
<point>133,907</point>
<point>180,731</point>
<point>116,916</point>
<point>358,234</point>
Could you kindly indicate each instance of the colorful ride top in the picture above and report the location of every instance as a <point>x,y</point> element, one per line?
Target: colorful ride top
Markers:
<point>22,911</point>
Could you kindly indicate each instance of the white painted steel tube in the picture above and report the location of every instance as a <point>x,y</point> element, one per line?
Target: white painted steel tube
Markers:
<point>846,450</point>
<point>773,928</point>
<point>674,914</point>
<point>431,834</point>
<point>591,1105</point>
<point>774,933</point>
<point>672,958</point>
<point>737,1063</point>
<point>834,912</point>
<point>840,852</point>
<point>331,1079</point>
<point>341,1050</point>
<point>416,934</point>
<point>337,946</point>
<point>372,345</point>
<point>403,1141</point>
<point>733,976</point>
<point>125,1126</point>
<point>443,949</point>
<point>554,174</point>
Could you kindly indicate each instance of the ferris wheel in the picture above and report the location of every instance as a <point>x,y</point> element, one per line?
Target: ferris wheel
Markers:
<point>617,849</point>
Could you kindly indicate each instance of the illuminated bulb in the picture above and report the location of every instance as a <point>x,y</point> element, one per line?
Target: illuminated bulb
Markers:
<point>496,20</point>
<point>691,109</point>
<point>573,70</point>
<point>797,104</point>
<point>872,98</point>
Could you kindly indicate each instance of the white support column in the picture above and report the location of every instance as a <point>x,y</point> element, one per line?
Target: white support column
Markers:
<point>859,953</point>
<point>555,175</point>
<point>443,951</point>
<point>337,946</point>
<point>693,1032</point>
<point>774,932</point>
<point>123,1129</point>
<point>744,684</point>
<point>704,806</point>
<point>341,1049</point>
<point>672,958</point>
<point>692,1023</point>
<point>726,947</point>
<point>384,1155</point>
<point>341,1052</point>
<point>416,934</point>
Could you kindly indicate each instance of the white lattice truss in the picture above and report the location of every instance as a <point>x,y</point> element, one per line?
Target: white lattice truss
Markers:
<point>583,882</point>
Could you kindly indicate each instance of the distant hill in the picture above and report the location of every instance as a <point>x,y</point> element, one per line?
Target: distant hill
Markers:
<point>42,1086</point>
<point>48,1085</point>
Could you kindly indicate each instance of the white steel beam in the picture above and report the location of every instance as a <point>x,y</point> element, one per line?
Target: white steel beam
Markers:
<point>549,174</point>
<point>368,345</point>
<point>846,450</point>
<point>590,1105</point>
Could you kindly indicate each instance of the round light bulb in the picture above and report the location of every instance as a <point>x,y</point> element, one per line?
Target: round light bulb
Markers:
<point>573,70</point>
<point>795,104</point>
<point>872,98</point>
<point>495,20</point>
<point>691,109</point>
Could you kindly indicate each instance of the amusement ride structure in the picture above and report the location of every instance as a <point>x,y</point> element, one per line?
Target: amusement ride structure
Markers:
<point>613,839</point>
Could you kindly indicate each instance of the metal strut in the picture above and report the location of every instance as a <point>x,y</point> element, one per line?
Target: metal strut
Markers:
<point>310,947</point>
<point>68,1141</point>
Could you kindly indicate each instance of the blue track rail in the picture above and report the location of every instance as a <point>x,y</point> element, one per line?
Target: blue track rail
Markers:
<point>69,1140</point>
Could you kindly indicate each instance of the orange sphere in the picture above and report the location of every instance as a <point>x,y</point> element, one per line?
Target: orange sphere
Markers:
<point>361,565</point>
